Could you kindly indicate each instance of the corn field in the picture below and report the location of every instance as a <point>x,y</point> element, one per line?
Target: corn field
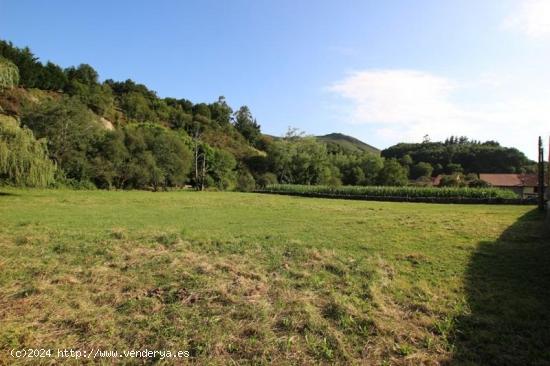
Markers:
<point>405,192</point>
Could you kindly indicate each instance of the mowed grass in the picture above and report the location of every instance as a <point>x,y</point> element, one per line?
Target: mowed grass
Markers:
<point>258,279</point>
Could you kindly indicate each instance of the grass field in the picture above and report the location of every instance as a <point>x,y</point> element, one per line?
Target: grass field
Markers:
<point>256,279</point>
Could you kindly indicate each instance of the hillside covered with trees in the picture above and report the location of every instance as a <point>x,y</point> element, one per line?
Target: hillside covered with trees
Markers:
<point>460,154</point>
<point>66,127</point>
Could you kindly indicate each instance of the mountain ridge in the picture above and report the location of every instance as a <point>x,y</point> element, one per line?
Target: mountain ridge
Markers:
<point>348,143</point>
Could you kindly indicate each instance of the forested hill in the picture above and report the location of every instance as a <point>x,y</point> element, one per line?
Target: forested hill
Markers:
<point>65,127</point>
<point>338,142</point>
<point>460,154</point>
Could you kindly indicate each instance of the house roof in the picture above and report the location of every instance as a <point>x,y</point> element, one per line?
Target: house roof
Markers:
<point>510,180</point>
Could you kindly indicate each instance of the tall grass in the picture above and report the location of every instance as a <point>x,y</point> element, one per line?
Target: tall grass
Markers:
<point>407,192</point>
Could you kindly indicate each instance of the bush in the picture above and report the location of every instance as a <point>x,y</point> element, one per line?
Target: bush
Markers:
<point>61,182</point>
<point>245,181</point>
<point>421,169</point>
<point>266,179</point>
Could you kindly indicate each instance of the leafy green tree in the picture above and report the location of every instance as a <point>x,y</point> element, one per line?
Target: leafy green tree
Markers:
<point>372,165</point>
<point>69,128</point>
<point>331,176</point>
<point>358,169</point>
<point>9,74</point>
<point>310,163</point>
<point>32,74</point>
<point>406,160</point>
<point>300,160</point>
<point>136,170</point>
<point>257,164</point>
<point>421,169</point>
<point>266,179</point>
<point>172,157</point>
<point>82,82</point>
<point>137,107</point>
<point>221,112</point>
<point>453,168</point>
<point>392,174</point>
<point>245,181</point>
<point>158,157</point>
<point>84,74</point>
<point>109,156</point>
<point>23,160</point>
<point>201,114</point>
<point>161,109</point>
<point>98,98</point>
<point>356,176</point>
<point>179,119</point>
<point>221,168</point>
<point>281,155</point>
<point>247,125</point>
<point>52,77</point>
<point>184,104</point>
<point>27,63</point>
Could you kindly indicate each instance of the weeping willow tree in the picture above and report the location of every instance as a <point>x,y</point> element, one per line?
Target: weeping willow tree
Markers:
<point>23,159</point>
<point>9,74</point>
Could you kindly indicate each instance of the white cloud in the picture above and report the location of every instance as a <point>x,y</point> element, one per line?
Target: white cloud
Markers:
<point>532,17</point>
<point>405,105</point>
<point>396,96</point>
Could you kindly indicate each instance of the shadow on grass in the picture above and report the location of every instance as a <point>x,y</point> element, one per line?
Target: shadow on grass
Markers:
<point>8,194</point>
<point>508,289</point>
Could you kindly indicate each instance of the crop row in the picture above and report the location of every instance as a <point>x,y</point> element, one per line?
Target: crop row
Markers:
<point>405,192</point>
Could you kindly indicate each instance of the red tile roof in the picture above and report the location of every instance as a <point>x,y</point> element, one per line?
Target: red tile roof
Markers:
<point>510,180</point>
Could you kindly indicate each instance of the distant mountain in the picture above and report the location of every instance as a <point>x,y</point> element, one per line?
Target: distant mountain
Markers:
<point>345,143</point>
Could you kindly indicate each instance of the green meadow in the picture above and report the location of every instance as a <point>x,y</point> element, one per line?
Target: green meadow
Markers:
<point>242,278</point>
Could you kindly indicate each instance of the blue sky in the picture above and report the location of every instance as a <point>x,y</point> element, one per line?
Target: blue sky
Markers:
<point>383,71</point>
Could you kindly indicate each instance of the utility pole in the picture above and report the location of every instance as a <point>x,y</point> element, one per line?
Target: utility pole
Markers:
<point>541,175</point>
<point>196,136</point>
<point>203,175</point>
<point>196,161</point>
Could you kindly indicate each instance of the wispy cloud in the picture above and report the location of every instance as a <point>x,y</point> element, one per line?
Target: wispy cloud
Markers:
<point>404,105</point>
<point>394,97</point>
<point>531,17</point>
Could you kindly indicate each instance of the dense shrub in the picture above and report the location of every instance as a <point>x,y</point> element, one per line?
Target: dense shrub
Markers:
<point>266,179</point>
<point>245,181</point>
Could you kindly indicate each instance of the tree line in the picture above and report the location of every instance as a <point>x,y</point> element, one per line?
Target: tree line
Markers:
<point>458,157</point>
<point>82,132</point>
